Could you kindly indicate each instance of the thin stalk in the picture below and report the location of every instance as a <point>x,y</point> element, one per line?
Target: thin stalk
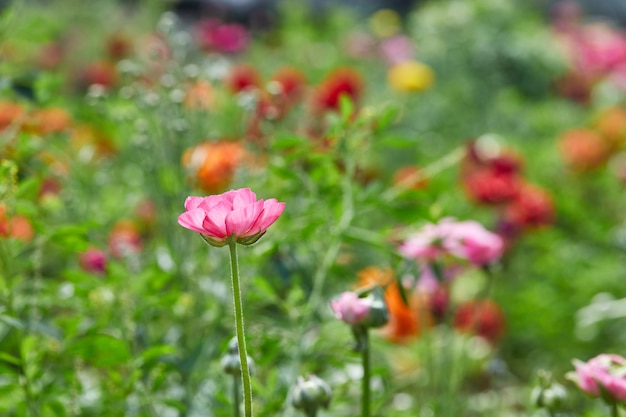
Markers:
<point>614,409</point>
<point>365,352</point>
<point>241,340</point>
<point>236,399</point>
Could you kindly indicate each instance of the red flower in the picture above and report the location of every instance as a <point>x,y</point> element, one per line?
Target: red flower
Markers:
<point>292,82</point>
<point>532,208</point>
<point>242,77</point>
<point>213,35</point>
<point>483,318</point>
<point>340,82</point>
<point>490,187</point>
<point>93,260</point>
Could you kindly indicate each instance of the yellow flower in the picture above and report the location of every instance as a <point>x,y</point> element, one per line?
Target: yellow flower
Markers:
<point>410,76</point>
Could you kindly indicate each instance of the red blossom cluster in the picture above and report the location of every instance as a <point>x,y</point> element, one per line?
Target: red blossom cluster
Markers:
<point>493,177</point>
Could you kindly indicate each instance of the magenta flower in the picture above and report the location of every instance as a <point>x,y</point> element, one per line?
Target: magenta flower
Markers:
<point>234,216</point>
<point>350,308</point>
<point>214,35</point>
<point>93,260</point>
<point>604,374</point>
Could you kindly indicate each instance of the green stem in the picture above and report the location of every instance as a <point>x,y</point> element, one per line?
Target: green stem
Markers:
<point>614,409</point>
<point>241,340</point>
<point>236,400</point>
<point>365,351</point>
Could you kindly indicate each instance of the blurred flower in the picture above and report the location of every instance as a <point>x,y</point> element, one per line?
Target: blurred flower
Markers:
<point>406,321</point>
<point>199,96</point>
<point>466,240</point>
<point>532,208</point>
<point>410,76</point>
<point>339,82</point>
<point>548,393</point>
<point>124,239</point>
<point>490,187</point>
<point>235,215</point>
<point>583,149</point>
<point>101,73</point>
<point>146,212</point>
<point>118,46</point>
<point>50,55</point>
<point>603,375</point>
<point>231,361</point>
<point>10,113</point>
<point>397,49</point>
<point>15,226</point>
<point>374,276</point>
<point>215,36</point>
<point>385,23</point>
<point>242,77</point>
<point>411,178</point>
<point>480,317</point>
<point>359,45</point>
<point>212,165</point>
<point>50,120</point>
<point>471,241</point>
<point>93,260</point>
<point>611,124</point>
<point>291,81</point>
<point>90,143</point>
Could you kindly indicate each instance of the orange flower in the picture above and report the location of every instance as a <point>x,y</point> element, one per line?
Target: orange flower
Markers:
<point>212,165</point>
<point>405,321</point>
<point>373,275</point>
<point>583,149</point>
<point>410,178</point>
<point>50,120</point>
<point>10,113</point>
<point>481,317</point>
<point>612,126</point>
<point>340,82</point>
<point>200,96</point>
<point>17,227</point>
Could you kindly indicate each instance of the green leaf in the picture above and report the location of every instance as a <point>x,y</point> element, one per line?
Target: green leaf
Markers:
<point>101,350</point>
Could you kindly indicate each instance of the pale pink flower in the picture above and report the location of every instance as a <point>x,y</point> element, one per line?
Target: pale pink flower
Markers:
<point>396,49</point>
<point>467,240</point>
<point>604,373</point>
<point>235,215</point>
<point>350,308</point>
<point>471,241</point>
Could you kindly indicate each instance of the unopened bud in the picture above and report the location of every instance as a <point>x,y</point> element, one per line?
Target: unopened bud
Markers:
<point>362,310</point>
<point>231,363</point>
<point>548,394</point>
<point>310,393</point>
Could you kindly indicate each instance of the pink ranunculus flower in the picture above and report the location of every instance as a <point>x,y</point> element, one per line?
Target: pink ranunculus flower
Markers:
<point>233,216</point>
<point>606,373</point>
<point>350,308</point>
<point>471,241</point>
<point>466,240</point>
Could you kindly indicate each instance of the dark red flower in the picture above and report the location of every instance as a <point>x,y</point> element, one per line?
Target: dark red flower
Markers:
<point>480,317</point>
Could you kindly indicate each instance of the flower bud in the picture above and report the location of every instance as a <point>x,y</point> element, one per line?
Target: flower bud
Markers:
<point>231,364</point>
<point>364,310</point>
<point>310,393</point>
<point>548,394</point>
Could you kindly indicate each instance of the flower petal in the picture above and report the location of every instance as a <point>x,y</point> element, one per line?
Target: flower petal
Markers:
<point>193,202</point>
<point>215,220</point>
<point>193,220</point>
<point>272,210</point>
<point>240,221</point>
<point>243,197</point>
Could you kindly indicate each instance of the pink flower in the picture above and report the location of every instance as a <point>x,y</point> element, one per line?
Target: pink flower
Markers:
<point>350,308</point>
<point>397,49</point>
<point>93,260</point>
<point>213,35</point>
<point>606,373</point>
<point>467,240</point>
<point>235,215</point>
<point>471,241</point>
